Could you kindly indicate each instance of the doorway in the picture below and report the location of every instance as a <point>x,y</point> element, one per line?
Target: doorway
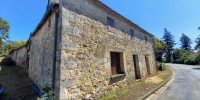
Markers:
<point>136,67</point>
<point>147,65</point>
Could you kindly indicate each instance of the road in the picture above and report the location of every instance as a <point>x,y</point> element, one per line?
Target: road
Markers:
<point>186,85</point>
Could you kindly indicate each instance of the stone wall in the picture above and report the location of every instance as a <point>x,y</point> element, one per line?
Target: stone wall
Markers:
<point>18,56</point>
<point>86,43</point>
<point>41,54</point>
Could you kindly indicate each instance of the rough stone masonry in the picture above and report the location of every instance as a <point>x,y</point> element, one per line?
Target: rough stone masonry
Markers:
<point>98,50</point>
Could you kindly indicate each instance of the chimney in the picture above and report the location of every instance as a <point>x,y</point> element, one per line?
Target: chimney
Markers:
<point>53,1</point>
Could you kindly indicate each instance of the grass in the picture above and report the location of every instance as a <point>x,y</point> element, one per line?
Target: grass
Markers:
<point>16,88</point>
<point>137,90</point>
<point>1,58</point>
<point>112,95</point>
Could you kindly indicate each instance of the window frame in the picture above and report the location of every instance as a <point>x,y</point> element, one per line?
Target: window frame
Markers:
<point>132,33</point>
<point>110,21</point>
<point>145,38</point>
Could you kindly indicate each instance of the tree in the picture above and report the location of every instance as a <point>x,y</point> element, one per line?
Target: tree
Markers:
<point>185,42</point>
<point>7,47</point>
<point>4,29</point>
<point>168,39</point>
<point>198,42</point>
<point>159,47</point>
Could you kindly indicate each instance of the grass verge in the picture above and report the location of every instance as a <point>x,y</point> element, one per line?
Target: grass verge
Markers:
<point>139,89</point>
<point>16,88</point>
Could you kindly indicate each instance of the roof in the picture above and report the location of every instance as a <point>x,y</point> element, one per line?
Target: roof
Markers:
<point>17,48</point>
<point>106,8</point>
<point>44,18</point>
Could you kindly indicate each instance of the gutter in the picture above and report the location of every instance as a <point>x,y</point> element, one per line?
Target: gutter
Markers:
<point>55,42</point>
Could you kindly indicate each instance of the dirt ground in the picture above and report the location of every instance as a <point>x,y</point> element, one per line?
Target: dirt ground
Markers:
<point>16,88</point>
<point>137,90</point>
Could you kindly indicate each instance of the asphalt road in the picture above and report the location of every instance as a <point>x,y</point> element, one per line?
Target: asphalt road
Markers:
<point>186,85</point>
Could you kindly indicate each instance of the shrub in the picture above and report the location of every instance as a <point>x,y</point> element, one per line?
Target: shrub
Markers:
<point>161,66</point>
<point>48,94</point>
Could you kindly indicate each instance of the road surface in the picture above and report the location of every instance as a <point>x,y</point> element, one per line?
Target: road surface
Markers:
<point>186,85</point>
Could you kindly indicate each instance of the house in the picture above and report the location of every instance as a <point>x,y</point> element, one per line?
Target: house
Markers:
<point>82,49</point>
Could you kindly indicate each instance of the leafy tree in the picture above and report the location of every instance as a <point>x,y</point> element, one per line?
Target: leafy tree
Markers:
<point>168,39</point>
<point>186,57</point>
<point>159,47</point>
<point>4,29</point>
<point>7,47</point>
<point>185,42</point>
<point>176,55</point>
<point>198,42</point>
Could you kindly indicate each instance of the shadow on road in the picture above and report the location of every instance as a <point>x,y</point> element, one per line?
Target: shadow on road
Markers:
<point>196,68</point>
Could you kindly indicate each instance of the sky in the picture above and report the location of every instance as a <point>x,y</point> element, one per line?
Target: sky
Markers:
<point>178,16</point>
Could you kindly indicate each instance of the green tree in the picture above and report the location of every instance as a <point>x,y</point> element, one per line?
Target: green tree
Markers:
<point>185,42</point>
<point>197,47</point>
<point>7,47</point>
<point>168,39</point>
<point>176,55</point>
<point>159,47</point>
<point>4,29</point>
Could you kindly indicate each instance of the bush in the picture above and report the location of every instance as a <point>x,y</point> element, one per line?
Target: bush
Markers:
<point>48,94</point>
<point>161,66</point>
<point>7,61</point>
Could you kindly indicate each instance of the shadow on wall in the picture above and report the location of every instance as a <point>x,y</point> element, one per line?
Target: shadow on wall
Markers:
<point>196,68</point>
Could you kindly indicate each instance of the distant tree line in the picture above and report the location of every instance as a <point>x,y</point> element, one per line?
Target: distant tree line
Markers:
<point>165,52</point>
<point>5,44</point>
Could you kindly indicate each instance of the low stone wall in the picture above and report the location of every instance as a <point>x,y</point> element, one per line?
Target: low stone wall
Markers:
<point>19,56</point>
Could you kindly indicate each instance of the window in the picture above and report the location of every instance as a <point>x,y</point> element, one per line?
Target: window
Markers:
<point>132,33</point>
<point>110,22</point>
<point>117,66</point>
<point>145,38</point>
<point>49,24</point>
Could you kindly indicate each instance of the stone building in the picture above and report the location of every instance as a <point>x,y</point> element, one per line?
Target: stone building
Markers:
<point>96,50</point>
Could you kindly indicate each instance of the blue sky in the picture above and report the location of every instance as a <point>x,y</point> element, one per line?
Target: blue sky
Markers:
<point>178,16</point>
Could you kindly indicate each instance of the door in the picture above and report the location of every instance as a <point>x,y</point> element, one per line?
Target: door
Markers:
<point>115,63</point>
<point>136,67</point>
<point>147,65</point>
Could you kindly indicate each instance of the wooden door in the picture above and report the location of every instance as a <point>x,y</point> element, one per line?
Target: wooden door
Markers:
<point>115,63</point>
<point>147,65</point>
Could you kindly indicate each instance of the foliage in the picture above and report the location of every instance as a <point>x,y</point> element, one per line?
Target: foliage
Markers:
<point>7,47</point>
<point>186,57</point>
<point>185,42</point>
<point>4,29</point>
<point>161,66</point>
<point>159,47</point>
<point>49,94</point>
<point>197,46</point>
<point>168,39</point>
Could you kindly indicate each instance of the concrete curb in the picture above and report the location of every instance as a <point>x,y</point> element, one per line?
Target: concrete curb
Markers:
<point>153,95</point>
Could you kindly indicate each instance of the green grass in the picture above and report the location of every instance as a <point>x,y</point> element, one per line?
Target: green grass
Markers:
<point>138,89</point>
<point>115,94</point>
<point>1,58</point>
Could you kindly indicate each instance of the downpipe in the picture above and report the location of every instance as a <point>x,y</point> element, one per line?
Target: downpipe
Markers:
<point>54,50</point>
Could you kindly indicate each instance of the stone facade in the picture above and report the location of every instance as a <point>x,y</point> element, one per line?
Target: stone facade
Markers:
<point>87,41</point>
<point>18,56</point>
<point>41,54</point>
<point>85,45</point>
